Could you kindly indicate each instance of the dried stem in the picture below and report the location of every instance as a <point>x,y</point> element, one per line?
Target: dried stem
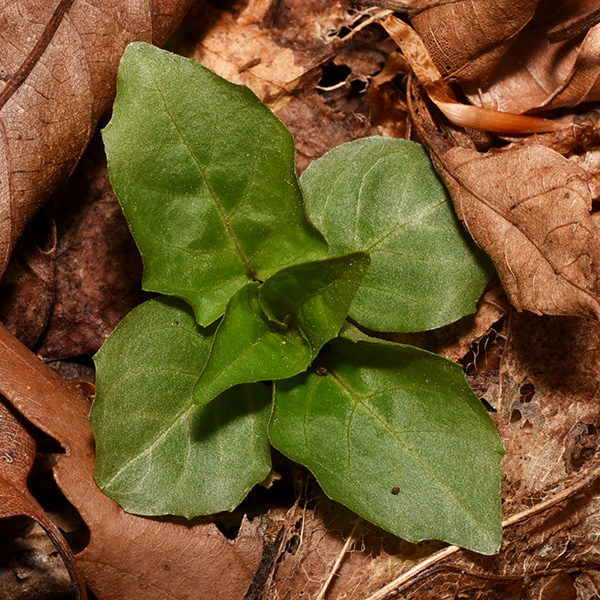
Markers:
<point>338,561</point>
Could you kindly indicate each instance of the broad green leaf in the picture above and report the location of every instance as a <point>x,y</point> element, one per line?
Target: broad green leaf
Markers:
<point>382,196</point>
<point>274,331</point>
<point>158,452</point>
<point>396,434</point>
<point>206,177</point>
<point>315,296</point>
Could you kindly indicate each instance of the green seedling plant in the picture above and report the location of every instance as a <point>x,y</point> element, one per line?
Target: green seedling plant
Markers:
<point>249,344</point>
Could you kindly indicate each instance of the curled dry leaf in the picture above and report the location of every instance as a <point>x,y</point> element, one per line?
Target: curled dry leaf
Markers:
<point>538,55</point>
<point>441,94</point>
<point>128,557</point>
<point>529,208</point>
<point>467,38</point>
<point>17,452</point>
<point>58,71</point>
<point>538,74</point>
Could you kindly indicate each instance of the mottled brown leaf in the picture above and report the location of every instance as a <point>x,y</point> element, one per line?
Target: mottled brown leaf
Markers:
<point>128,557</point>
<point>98,267</point>
<point>58,68</point>
<point>28,285</point>
<point>17,452</point>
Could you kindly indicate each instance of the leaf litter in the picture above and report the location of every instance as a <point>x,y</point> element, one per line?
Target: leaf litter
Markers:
<point>545,386</point>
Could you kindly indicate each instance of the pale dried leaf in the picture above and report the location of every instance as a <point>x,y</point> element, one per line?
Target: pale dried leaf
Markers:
<point>58,71</point>
<point>128,557</point>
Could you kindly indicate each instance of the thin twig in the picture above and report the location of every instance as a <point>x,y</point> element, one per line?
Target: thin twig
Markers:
<point>338,561</point>
<point>443,554</point>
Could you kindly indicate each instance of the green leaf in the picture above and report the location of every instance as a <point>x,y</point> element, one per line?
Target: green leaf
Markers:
<point>274,331</point>
<point>315,296</point>
<point>396,434</point>
<point>382,196</point>
<point>157,452</point>
<point>206,177</point>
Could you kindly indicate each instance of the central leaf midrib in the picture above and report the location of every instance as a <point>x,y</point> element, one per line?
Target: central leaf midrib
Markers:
<point>224,217</point>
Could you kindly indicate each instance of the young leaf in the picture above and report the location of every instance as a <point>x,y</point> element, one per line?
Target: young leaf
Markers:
<point>396,434</point>
<point>248,347</point>
<point>206,178</point>
<point>316,295</point>
<point>157,452</point>
<point>274,331</point>
<point>382,196</point>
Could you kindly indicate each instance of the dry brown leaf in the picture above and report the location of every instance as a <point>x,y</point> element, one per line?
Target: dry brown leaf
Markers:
<point>17,452</point>
<point>529,208</point>
<point>468,38</point>
<point>58,71</point>
<point>464,115</point>
<point>98,267</point>
<point>539,74</point>
<point>128,557</point>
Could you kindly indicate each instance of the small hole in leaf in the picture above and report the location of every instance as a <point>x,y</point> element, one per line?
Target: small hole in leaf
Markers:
<point>527,391</point>
<point>515,416</point>
<point>358,86</point>
<point>400,82</point>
